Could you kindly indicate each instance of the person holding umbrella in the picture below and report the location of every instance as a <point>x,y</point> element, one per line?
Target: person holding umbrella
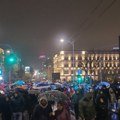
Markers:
<point>43,110</point>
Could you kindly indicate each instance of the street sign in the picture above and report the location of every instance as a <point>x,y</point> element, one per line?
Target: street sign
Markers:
<point>79,72</point>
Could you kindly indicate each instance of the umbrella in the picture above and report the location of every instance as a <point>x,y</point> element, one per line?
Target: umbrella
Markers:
<point>33,91</point>
<point>102,84</point>
<point>19,82</point>
<point>54,95</point>
<point>2,88</point>
<point>105,83</point>
<point>20,90</point>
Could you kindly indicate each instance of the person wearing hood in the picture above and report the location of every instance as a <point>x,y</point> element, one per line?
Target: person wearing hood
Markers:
<point>87,107</point>
<point>75,101</point>
<point>61,113</point>
<point>101,106</point>
<point>43,110</point>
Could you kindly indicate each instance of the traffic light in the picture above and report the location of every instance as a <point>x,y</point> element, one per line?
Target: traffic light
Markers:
<point>79,77</point>
<point>11,59</point>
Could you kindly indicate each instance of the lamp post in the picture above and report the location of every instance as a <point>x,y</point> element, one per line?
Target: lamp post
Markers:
<point>73,54</point>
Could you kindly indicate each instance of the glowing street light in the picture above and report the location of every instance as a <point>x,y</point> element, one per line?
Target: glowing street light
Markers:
<point>62,40</point>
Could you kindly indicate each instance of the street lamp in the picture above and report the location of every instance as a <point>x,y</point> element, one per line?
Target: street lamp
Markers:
<point>73,52</point>
<point>62,40</point>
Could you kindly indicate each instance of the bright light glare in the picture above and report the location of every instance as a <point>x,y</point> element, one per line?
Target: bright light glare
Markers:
<point>36,72</point>
<point>62,40</point>
<point>11,59</point>
<point>1,78</point>
<point>8,51</point>
<point>83,52</point>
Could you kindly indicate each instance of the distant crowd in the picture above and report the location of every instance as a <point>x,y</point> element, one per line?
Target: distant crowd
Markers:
<point>96,104</point>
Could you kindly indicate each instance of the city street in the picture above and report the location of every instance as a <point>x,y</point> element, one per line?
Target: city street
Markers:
<point>59,59</point>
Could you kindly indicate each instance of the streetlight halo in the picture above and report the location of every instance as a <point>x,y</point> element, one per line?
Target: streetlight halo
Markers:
<point>61,40</point>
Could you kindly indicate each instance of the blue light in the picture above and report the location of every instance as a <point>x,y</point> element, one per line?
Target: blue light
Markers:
<point>0,71</point>
<point>79,72</point>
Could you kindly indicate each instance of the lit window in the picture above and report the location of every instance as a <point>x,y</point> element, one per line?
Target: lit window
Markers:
<point>76,57</point>
<point>66,72</point>
<point>62,57</point>
<point>69,58</point>
<point>61,52</point>
<point>62,65</point>
<point>83,52</point>
<point>69,64</point>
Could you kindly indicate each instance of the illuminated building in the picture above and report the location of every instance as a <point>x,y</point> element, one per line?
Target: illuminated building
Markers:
<point>1,57</point>
<point>95,64</point>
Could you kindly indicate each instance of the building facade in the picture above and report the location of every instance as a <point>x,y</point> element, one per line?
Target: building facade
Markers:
<point>97,64</point>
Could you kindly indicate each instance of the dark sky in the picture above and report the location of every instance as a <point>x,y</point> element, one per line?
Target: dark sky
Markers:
<point>34,27</point>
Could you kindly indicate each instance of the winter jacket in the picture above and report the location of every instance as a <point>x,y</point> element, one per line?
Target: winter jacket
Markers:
<point>62,115</point>
<point>17,104</point>
<point>86,107</point>
<point>40,113</point>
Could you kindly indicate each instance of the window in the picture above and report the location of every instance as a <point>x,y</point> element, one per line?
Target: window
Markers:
<point>72,58</point>
<point>79,58</point>
<point>66,72</point>
<point>66,65</point>
<point>72,71</point>
<point>66,58</point>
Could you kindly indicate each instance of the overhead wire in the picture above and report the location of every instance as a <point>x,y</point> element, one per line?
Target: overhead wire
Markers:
<point>87,18</point>
<point>107,8</point>
<point>77,35</point>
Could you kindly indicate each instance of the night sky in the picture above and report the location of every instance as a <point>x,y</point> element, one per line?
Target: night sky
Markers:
<point>34,27</point>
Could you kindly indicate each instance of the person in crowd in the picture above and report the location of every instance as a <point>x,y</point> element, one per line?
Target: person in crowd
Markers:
<point>61,113</point>
<point>7,110</point>
<point>113,98</point>
<point>71,91</point>
<point>75,101</point>
<point>17,105</point>
<point>43,110</point>
<point>26,106</point>
<point>112,105</point>
<point>119,108</point>
<point>101,106</point>
<point>33,102</point>
<point>1,106</point>
<point>87,108</point>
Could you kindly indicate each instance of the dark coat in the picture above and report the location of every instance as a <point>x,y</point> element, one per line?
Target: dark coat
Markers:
<point>7,111</point>
<point>86,107</point>
<point>40,113</point>
<point>62,115</point>
<point>101,108</point>
<point>18,104</point>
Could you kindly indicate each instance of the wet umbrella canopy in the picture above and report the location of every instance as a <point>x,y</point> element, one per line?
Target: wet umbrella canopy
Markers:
<point>19,82</point>
<point>54,95</point>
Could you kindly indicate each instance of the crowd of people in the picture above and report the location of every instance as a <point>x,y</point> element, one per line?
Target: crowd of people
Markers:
<point>96,104</point>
